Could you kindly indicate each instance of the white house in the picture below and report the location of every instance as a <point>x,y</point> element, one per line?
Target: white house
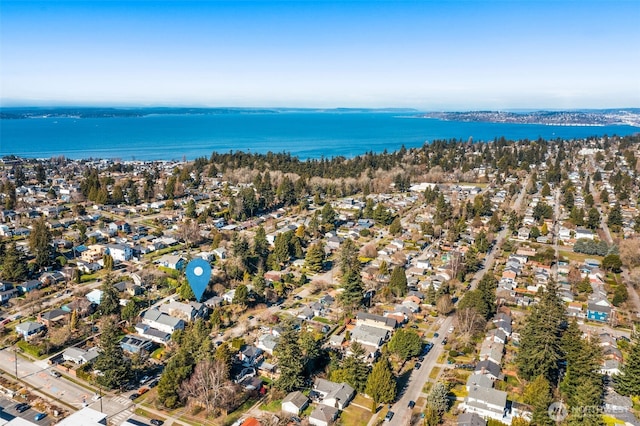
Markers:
<point>294,403</point>
<point>323,415</point>
<point>119,252</point>
<point>161,321</point>
<point>489,403</point>
<point>334,394</point>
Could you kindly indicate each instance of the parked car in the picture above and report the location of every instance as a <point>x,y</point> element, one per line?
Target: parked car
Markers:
<point>417,366</point>
<point>411,404</point>
<point>436,334</point>
<point>21,408</point>
<point>40,416</point>
<point>144,380</point>
<point>444,341</point>
<point>157,422</point>
<point>389,416</point>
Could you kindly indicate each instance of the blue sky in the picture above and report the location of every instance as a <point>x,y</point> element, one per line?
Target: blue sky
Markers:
<point>427,54</point>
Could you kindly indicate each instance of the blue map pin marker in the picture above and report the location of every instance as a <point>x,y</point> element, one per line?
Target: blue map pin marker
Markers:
<point>198,273</point>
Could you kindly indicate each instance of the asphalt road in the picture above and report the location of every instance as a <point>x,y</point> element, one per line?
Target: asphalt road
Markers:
<point>37,376</point>
<point>418,378</point>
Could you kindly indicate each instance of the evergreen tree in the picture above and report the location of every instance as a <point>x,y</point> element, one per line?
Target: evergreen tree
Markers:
<point>538,394</point>
<point>431,295</point>
<point>381,384</point>
<point>115,367</point>
<point>628,381</point>
<point>241,296</point>
<point>329,215</point>
<point>398,282</point>
<point>352,296</point>
<point>260,247</point>
<point>487,287</point>
<point>348,257</point>
<point>540,350</point>
<point>13,264</point>
<point>290,360</point>
<point>438,399</point>
<point>583,360</point>
<point>315,257</point>
<point>481,242</point>
<point>110,301</point>
<point>593,220</point>
<point>40,243</point>
<point>405,344</point>
<point>354,370</point>
<point>615,219</point>
<point>396,227</point>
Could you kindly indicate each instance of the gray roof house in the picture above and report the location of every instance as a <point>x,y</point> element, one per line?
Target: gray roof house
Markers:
<point>323,415</point>
<point>486,402</point>
<point>471,419</point>
<point>161,321</point>
<point>28,329</point>
<point>488,368</point>
<point>368,335</point>
<point>295,402</point>
<point>479,380</point>
<point>80,356</point>
<point>334,394</point>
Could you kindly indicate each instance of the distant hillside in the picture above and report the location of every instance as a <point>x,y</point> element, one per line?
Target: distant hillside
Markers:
<point>98,112</point>
<point>626,116</point>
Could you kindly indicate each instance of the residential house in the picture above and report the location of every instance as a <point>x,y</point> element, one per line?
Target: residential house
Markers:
<point>471,419</point>
<point>185,311</point>
<point>368,335</point>
<point>584,233</point>
<point>478,379</point>
<point>599,311</point>
<point>491,351</point>
<point>575,310</point>
<point>486,402</point>
<point>136,344</point>
<point>80,356</point>
<point>294,403</point>
<point>490,368</point>
<point>152,334</point>
<point>334,394</point>
<point>323,415</point>
<point>372,320</point>
<point>52,317</point>
<point>249,355</point>
<point>610,367</point>
<point>28,286</point>
<point>172,261</point>
<point>119,252</point>
<point>220,252</point>
<point>161,321</point>
<point>29,329</point>
<point>94,296</point>
<point>267,342</point>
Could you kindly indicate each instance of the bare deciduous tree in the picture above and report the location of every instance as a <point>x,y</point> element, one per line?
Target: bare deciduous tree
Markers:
<point>468,322</point>
<point>209,386</point>
<point>189,231</point>
<point>444,304</point>
<point>630,252</point>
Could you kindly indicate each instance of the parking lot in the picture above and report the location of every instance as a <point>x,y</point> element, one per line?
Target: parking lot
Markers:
<point>8,407</point>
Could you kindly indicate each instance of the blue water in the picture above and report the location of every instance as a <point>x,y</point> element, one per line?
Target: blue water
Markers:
<point>303,134</point>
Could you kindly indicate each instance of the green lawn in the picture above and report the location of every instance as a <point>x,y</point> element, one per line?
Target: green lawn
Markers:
<point>273,406</point>
<point>355,416</point>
